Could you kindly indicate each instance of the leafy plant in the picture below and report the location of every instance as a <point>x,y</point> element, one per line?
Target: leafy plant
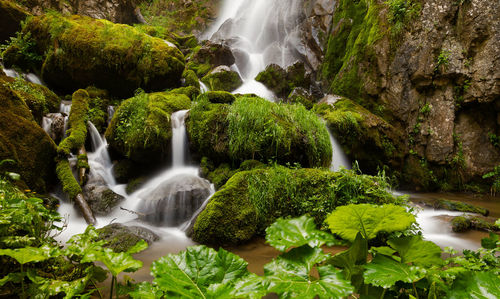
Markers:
<point>443,59</point>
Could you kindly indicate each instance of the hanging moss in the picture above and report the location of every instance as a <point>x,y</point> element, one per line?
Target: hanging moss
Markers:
<point>77,122</point>
<point>65,175</point>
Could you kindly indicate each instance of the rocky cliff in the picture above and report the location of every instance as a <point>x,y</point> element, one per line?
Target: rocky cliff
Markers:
<point>430,68</point>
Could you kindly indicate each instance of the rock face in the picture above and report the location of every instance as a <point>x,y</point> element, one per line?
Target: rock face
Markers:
<point>122,237</point>
<point>10,23</point>
<point>76,52</point>
<point>101,199</point>
<point>222,78</point>
<point>433,73</point>
<point>174,201</point>
<point>24,141</point>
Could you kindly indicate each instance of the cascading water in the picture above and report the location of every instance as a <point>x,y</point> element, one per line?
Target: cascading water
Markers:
<point>339,158</point>
<point>259,33</point>
<point>203,87</point>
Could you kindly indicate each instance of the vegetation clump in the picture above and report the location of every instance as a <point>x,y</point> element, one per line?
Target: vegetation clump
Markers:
<point>141,126</point>
<point>79,51</point>
<point>255,198</point>
<point>253,128</point>
<point>222,78</point>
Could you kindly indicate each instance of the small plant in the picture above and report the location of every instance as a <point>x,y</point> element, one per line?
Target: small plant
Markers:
<point>494,139</point>
<point>495,176</point>
<point>425,109</point>
<point>443,59</point>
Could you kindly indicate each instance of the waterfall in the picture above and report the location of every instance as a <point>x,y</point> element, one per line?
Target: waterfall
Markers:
<point>203,87</point>
<point>339,158</point>
<point>65,109</point>
<point>34,79</point>
<point>259,32</point>
<point>179,138</point>
<point>47,124</point>
<point>111,113</point>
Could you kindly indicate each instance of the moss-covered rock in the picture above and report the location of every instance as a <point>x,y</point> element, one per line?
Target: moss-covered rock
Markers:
<point>253,128</point>
<point>222,78</point>
<point>301,96</point>
<point>10,23</point>
<point>141,129</point>
<point>252,200</point>
<point>365,137</point>
<point>24,141</point>
<point>80,51</point>
<point>98,107</point>
<point>190,79</point>
<point>39,99</point>
<point>451,205</point>
<point>191,91</point>
<point>464,223</point>
<point>213,54</point>
<point>121,238</point>
<point>282,81</point>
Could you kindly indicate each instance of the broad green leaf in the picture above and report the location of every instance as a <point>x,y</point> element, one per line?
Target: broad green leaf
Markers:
<point>85,244</point>
<point>497,223</point>
<point>14,176</point>
<point>116,262</point>
<point>138,247</point>
<point>347,221</point>
<point>384,250</point>
<point>44,287</point>
<point>191,273</point>
<point>289,275</point>
<point>349,259</point>
<point>249,287</point>
<point>286,233</point>
<point>145,290</point>
<point>417,251</point>
<point>385,272</point>
<point>475,285</point>
<point>492,242</point>
<point>31,254</point>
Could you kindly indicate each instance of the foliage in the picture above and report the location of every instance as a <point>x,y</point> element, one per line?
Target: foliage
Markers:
<point>401,12</point>
<point>442,60</point>
<point>495,177</point>
<point>369,220</point>
<point>23,45</point>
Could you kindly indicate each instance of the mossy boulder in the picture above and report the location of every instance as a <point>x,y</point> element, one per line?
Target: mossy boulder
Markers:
<point>253,128</point>
<point>213,54</point>
<point>364,136</point>
<point>80,51</point>
<point>222,78</point>
<point>141,128</point>
<point>24,141</point>
<point>451,205</point>
<point>121,237</point>
<point>282,81</point>
<point>10,23</point>
<point>302,96</point>
<point>190,79</point>
<point>222,173</point>
<point>464,223</point>
<point>252,200</point>
<point>40,99</point>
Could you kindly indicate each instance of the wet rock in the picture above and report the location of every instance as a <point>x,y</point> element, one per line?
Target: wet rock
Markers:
<point>282,81</point>
<point>215,54</point>
<point>464,223</point>
<point>218,97</point>
<point>302,96</point>
<point>121,237</point>
<point>451,205</point>
<point>174,201</point>
<point>101,199</point>
<point>222,78</point>
<point>56,127</point>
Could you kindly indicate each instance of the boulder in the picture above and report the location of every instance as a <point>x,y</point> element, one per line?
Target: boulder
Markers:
<point>121,237</point>
<point>174,201</point>
<point>141,129</point>
<point>215,54</point>
<point>282,81</point>
<point>222,78</point>
<point>53,124</point>
<point>78,51</point>
<point>101,199</point>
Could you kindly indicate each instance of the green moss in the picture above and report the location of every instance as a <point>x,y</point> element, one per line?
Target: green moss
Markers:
<point>201,69</point>
<point>460,224</point>
<point>458,206</point>
<point>252,200</point>
<point>135,184</point>
<point>218,97</point>
<point>225,80</point>
<point>274,78</point>
<point>141,127</point>
<point>253,128</point>
<point>24,141</point>
<point>358,28</point>
<point>191,78</point>
<point>77,122</point>
<point>68,181</point>
<point>191,91</point>
<point>39,99</point>
<point>365,137</point>
<point>80,51</point>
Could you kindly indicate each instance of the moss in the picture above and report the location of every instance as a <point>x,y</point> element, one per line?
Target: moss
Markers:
<point>24,141</point>
<point>253,128</point>
<point>274,78</point>
<point>39,99</point>
<point>218,97</point>
<point>357,28</point>
<point>460,224</point>
<point>191,79</point>
<point>135,184</point>
<point>222,173</point>
<point>68,181</point>
<point>201,69</point>
<point>365,137</point>
<point>464,223</point>
<point>12,16</point>
<point>77,122</point>
<point>223,79</point>
<point>141,129</point>
<point>80,51</point>
<point>252,200</point>
<point>191,91</point>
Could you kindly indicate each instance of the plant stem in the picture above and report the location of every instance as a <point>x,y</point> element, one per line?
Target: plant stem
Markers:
<point>22,281</point>
<point>98,291</point>
<point>111,290</point>
<point>415,290</point>
<point>383,294</point>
